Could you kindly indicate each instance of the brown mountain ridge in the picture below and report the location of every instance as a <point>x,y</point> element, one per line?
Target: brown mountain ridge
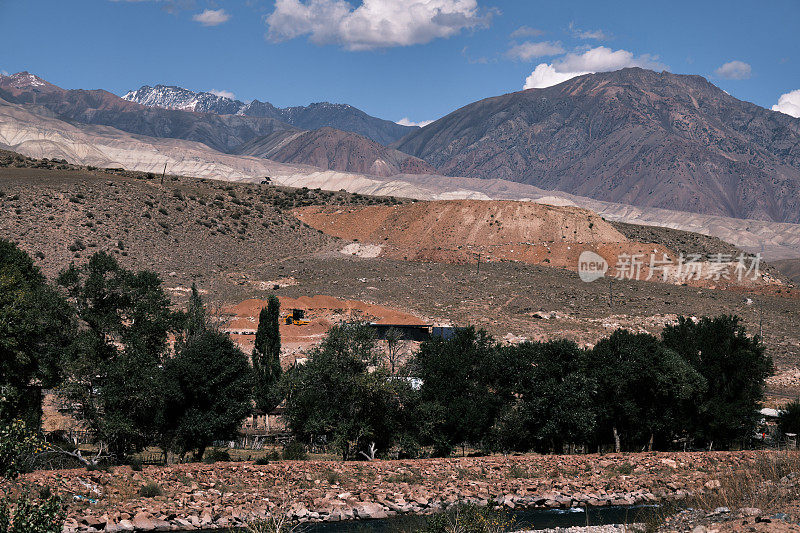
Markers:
<point>631,136</point>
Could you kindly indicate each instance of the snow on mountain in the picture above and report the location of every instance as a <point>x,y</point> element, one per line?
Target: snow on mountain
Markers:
<point>171,97</point>
<point>317,115</point>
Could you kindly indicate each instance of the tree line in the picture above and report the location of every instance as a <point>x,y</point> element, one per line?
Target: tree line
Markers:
<point>138,374</point>
<point>698,386</point>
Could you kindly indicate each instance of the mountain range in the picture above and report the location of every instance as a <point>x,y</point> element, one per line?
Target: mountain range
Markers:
<point>334,150</point>
<point>314,116</point>
<point>631,144</point>
<point>632,136</point>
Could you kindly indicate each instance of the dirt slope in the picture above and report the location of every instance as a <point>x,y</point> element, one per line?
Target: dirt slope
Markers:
<point>469,231</point>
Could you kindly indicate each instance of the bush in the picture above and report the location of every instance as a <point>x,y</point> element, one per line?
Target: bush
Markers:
<point>135,464</point>
<point>469,519</point>
<point>150,490</point>
<point>262,461</point>
<point>26,515</point>
<point>294,451</point>
<point>216,455</point>
<point>17,448</point>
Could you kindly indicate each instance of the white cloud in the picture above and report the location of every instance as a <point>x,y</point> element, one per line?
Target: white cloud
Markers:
<point>789,103</point>
<point>212,17</point>
<point>597,35</point>
<point>526,31</point>
<point>545,75</point>
<point>599,59</point>
<point>734,70</point>
<point>224,94</point>
<point>528,50</point>
<point>405,121</point>
<point>374,23</point>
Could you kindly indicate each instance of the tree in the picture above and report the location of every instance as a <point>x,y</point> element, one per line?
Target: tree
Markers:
<point>644,390</point>
<point>113,370</point>
<point>18,446</point>
<point>789,418</point>
<point>553,397</point>
<point>36,327</point>
<point>336,396</point>
<point>208,385</point>
<point>734,367</point>
<point>394,348</point>
<point>462,388</point>
<point>26,515</point>
<point>267,357</point>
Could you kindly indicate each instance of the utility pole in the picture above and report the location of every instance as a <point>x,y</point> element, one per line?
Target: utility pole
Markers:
<point>611,292</point>
<point>163,174</point>
<point>479,264</point>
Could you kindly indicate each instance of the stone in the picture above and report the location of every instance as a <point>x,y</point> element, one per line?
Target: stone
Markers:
<point>750,511</point>
<point>700,529</point>
<point>712,484</point>
<point>369,510</point>
<point>126,525</point>
<point>143,522</point>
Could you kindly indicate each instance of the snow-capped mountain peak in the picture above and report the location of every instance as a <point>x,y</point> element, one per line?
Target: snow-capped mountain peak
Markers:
<point>172,97</point>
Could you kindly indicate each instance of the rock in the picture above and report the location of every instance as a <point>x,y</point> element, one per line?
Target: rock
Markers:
<point>369,510</point>
<point>143,522</point>
<point>712,484</point>
<point>670,463</point>
<point>750,511</point>
<point>700,529</point>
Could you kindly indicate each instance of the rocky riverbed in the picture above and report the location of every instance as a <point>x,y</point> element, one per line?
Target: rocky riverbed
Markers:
<point>223,495</point>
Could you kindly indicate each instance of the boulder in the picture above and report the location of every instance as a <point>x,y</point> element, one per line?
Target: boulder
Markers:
<point>369,510</point>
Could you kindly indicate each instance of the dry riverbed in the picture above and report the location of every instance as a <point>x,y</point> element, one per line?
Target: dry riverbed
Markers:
<point>222,495</point>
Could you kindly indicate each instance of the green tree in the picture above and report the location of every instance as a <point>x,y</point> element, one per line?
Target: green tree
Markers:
<point>789,418</point>
<point>208,392</point>
<point>462,388</point>
<point>113,370</point>
<point>36,327</point>
<point>267,357</point>
<point>734,367</point>
<point>644,390</point>
<point>336,396</point>
<point>27,515</point>
<point>18,446</point>
<point>553,397</point>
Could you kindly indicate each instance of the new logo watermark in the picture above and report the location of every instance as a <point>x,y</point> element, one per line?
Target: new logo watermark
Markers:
<point>682,269</point>
<point>591,266</point>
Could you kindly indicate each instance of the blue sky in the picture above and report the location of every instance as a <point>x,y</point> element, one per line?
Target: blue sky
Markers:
<point>418,59</point>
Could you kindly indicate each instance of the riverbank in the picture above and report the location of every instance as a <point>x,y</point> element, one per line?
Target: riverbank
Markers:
<point>224,495</point>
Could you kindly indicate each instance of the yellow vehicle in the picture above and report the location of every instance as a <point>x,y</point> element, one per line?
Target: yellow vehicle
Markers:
<point>297,317</point>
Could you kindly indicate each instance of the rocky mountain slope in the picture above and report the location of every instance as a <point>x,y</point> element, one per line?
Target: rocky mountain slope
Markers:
<point>335,150</point>
<point>220,132</point>
<point>632,136</point>
<point>317,115</point>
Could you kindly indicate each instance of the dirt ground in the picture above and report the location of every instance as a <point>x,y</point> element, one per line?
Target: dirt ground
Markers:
<point>468,231</point>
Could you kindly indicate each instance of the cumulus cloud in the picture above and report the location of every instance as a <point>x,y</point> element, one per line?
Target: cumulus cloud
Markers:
<point>734,70</point>
<point>212,17</point>
<point>224,94</point>
<point>597,35</point>
<point>599,59</point>
<point>526,31</point>
<point>529,50</point>
<point>789,103</point>
<point>405,121</point>
<point>374,23</point>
